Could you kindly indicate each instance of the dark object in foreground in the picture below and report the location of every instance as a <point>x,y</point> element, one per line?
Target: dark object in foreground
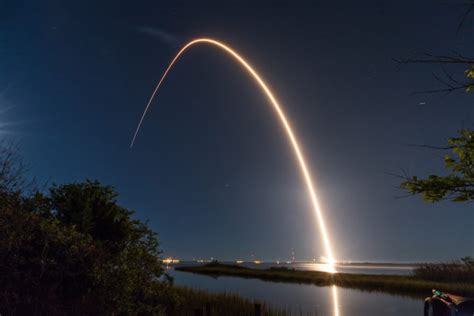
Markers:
<point>445,304</point>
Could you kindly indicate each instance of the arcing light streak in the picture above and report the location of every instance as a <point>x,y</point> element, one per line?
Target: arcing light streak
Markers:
<point>282,117</point>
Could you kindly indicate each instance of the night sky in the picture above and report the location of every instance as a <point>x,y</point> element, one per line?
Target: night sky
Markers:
<point>212,169</point>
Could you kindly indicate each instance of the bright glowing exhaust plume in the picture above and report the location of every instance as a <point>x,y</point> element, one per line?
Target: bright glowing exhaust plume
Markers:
<point>283,119</point>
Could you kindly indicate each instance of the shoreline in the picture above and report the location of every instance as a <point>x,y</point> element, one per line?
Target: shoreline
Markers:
<point>392,284</point>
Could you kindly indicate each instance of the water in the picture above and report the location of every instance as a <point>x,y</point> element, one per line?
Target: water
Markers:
<point>401,269</point>
<point>310,299</point>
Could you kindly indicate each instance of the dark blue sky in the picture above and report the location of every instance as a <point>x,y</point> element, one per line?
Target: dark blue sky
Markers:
<point>212,169</point>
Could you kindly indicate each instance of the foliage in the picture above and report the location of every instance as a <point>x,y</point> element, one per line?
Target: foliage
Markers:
<point>92,209</point>
<point>44,266</point>
<point>52,265</point>
<point>458,185</point>
<point>461,271</point>
<point>75,251</point>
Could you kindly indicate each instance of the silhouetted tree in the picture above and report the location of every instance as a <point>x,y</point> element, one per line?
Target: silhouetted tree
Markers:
<point>128,249</point>
<point>457,68</point>
<point>74,250</point>
<point>12,168</point>
<point>92,208</point>
<point>458,184</point>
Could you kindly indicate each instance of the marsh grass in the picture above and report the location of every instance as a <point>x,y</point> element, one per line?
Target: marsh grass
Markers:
<point>412,285</point>
<point>455,271</point>
<point>189,300</point>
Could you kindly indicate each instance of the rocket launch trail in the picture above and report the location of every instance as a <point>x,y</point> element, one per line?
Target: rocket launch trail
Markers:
<point>284,122</point>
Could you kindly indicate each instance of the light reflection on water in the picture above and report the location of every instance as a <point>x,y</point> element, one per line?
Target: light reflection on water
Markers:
<point>335,299</point>
<point>306,299</point>
<point>341,268</point>
<point>357,268</point>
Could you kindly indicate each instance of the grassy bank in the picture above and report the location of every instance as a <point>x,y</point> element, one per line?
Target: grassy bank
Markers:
<point>394,284</point>
<point>190,301</point>
<point>455,271</point>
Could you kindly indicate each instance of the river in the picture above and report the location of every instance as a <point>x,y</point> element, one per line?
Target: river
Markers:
<point>302,299</point>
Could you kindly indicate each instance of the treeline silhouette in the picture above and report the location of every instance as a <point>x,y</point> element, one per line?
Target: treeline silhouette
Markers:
<point>71,249</point>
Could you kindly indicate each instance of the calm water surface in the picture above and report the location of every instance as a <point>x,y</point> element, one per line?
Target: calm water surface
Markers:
<point>311,299</point>
<point>352,268</point>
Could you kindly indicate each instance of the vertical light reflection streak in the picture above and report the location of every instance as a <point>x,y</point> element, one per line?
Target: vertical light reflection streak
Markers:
<point>335,300</point>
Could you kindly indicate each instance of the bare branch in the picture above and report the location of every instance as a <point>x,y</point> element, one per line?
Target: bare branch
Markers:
<point>446,90</point>
<point>12,169</point>
<point>465,15</point>
<point>437,59</point>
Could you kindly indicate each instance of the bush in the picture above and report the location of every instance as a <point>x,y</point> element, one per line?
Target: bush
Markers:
<point>75,251</point>
<point>457,271</point>
<point>44,266</point>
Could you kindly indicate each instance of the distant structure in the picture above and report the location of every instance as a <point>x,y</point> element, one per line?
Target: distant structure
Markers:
<point>293,257</point>
<point>170,260</point>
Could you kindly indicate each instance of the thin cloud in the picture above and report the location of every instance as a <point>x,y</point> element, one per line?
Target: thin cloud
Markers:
<point>6,89</point>
<point>159,34</point>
